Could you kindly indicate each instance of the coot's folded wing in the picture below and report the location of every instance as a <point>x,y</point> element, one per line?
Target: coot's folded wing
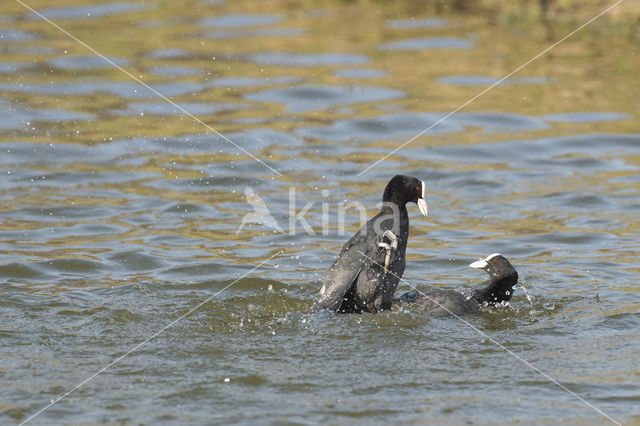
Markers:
<point>343,273</point>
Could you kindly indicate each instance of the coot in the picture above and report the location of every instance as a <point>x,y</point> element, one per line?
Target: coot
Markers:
<point>371,263</point>
<point>503,277</point>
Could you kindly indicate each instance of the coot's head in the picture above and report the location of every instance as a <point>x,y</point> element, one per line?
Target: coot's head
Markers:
<point>406,189</point>
<point>497,266</point>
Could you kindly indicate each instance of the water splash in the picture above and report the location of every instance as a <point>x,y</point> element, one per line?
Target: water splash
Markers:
<point>526,293</point>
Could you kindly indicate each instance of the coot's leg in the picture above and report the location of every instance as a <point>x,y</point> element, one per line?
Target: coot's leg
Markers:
<point>389,243</point>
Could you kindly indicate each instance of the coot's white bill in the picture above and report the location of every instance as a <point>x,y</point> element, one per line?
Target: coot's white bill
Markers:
<point>422,202</point>
<point>482,263</point>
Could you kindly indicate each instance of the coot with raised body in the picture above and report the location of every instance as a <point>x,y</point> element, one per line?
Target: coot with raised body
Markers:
<point>371,263</point>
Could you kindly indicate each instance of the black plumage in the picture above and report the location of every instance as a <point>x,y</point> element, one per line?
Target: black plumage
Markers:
<point>502,275</point>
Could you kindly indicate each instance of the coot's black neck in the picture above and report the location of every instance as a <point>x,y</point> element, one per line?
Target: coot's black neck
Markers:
<point>391,196</point>
<point>389,206</point>
<point>499,290</point>
<point>396,218</point>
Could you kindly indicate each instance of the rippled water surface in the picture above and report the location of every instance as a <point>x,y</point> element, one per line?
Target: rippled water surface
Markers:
<point>130,226</point>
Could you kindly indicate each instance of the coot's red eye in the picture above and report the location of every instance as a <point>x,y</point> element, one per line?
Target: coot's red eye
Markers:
<point>495,260</point>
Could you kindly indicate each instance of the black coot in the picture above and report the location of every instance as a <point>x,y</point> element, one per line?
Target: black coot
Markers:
<point>503,277</point>
<point>367,272</point>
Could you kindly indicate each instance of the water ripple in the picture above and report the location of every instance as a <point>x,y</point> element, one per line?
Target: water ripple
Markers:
<point>417,23</point>
<point>241,20</point>
<point>85,12</point>
<point>427,43</point>
<point>309,98</point>
<point>308,59</point>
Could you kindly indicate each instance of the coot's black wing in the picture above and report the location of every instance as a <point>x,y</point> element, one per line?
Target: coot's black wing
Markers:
<point>358,254</point>
<point>342,274</point>
<point>361,254</point>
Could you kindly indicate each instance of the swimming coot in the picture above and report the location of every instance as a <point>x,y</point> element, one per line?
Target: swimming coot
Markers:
<point>371,263</point>
<point>503,277</point>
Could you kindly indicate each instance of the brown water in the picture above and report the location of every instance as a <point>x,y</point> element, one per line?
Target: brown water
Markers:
<point>120,213</point>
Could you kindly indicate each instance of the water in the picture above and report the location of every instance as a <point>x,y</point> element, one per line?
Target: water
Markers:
<point>120,215</point>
